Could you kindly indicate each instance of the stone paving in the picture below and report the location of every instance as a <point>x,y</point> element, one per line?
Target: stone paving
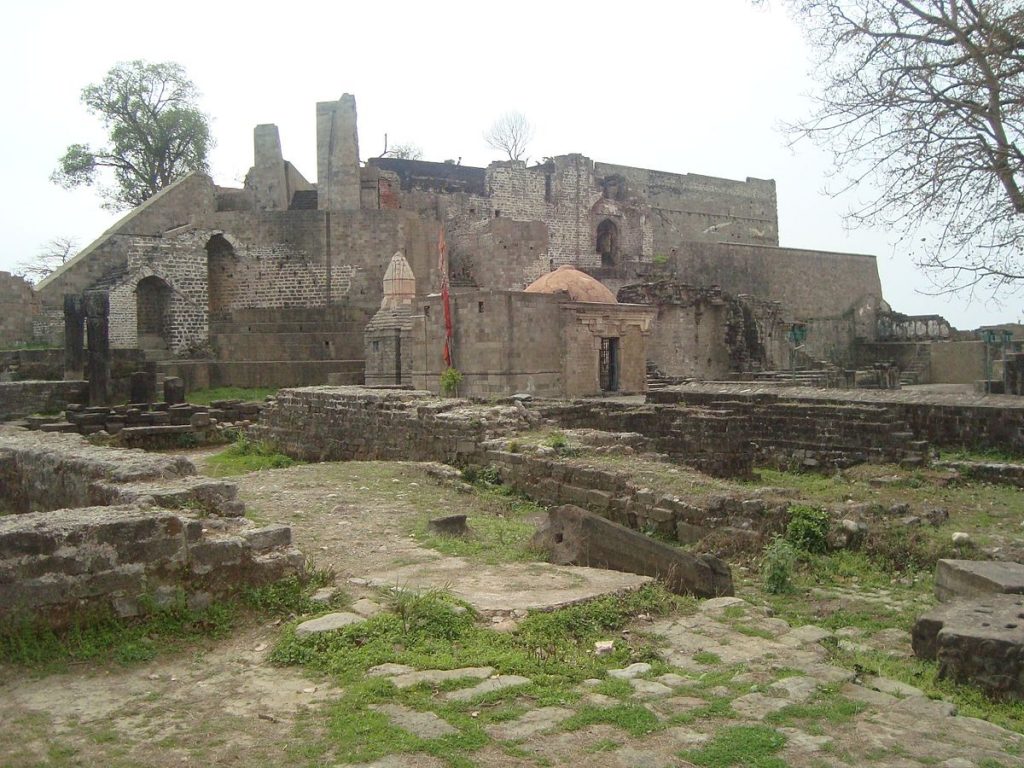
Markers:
<point>734,666</point>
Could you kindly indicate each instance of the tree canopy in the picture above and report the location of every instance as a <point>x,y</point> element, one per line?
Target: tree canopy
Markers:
<point>156,133</point>
<point>511,133</point>
<point>923,100</point>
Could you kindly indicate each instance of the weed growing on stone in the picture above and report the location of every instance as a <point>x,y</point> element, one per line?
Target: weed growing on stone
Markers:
<point>777,566</point>
<point>433,630</point>
<point>245,455</point>
<point>634,719</point>
<point>100,636</point>
<point>207,396</point>
<point>807,528</point>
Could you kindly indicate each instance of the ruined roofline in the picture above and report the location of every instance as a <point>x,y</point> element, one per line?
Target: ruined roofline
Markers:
<point>760,246</point>
<point>113,229</point>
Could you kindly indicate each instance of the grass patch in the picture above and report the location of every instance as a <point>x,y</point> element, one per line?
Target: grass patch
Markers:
<point>634,719</point>
<point>751,746</point>
<point>499,531</point>
<point>207,396</point>
<point>245,455</point>
<point>432,630</point>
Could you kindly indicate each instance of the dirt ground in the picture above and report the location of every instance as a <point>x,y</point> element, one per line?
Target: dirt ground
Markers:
<point>224,704</point>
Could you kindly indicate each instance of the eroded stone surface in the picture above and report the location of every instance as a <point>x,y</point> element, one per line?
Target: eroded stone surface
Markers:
<point>977,578</point>
<point>426,725</point>
<point>497,683</point>
<point>327,623</point>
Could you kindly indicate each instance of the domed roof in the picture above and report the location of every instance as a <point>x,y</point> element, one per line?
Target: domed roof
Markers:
<point>579,285</point>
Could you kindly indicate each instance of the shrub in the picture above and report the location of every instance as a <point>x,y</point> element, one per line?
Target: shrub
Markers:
<point>777,566</point>
<point>450,381</point>
<point>807,529</point>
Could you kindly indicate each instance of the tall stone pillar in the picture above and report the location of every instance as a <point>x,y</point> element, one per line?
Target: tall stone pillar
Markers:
<point>97,323</point>
<point>74,337</point>
<point>337,155</point>
<point>268,179</point>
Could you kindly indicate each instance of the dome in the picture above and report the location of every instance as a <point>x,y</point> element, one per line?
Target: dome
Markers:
<point>579,285</point>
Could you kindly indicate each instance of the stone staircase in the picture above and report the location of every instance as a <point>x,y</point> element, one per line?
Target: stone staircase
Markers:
<point>916,371</point>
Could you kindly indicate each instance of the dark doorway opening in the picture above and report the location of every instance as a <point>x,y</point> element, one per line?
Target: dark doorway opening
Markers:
<point>152,312</point>
<point>608,242</point>
<point>608,365</point>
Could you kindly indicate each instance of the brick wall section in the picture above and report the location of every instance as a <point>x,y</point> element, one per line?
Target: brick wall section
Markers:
<point>56,565</point>
<point>23,398</point>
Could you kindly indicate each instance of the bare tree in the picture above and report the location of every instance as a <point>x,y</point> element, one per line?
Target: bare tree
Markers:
<point>511,133</point>
<point>51,257</point>
<point>925,99</point>
<point>407,151</point>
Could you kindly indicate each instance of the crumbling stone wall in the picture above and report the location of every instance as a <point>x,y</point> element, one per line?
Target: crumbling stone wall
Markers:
<point>18,310</point>
<point>120,550</point>
<point>23,398</point>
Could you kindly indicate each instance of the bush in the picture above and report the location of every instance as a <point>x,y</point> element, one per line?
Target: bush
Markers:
<point>450,381</point>
<point>777,566</point>
<point>807,529</point>
<point>558,440</point>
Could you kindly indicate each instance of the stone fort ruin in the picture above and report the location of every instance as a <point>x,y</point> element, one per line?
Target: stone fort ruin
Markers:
<point>276,282</point>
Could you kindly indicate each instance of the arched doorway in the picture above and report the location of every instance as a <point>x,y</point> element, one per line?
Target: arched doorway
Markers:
<point>608,242</point>
<point>152,311</point>
<point>221,264</point>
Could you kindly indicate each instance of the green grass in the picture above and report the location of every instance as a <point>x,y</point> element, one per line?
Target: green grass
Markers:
<point>207,396</point>
<point>432,630</point>
<point>244,456</point>
<point>981,454</point>
<point>500,529</point>
<point>750,746</point>
<point>634,719</point>
<point>101,637</point>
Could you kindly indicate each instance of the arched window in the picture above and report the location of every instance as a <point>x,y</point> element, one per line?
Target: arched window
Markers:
<point>608,242</point>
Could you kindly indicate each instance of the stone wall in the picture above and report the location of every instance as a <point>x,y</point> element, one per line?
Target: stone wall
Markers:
<point>23,398</point>
<point>353,423</point>
<point>812,434</point>
<point>959,362</point>
<point>121,550</point>
<point>18,309</point>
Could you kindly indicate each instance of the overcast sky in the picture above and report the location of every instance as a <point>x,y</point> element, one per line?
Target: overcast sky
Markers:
<point>692,86</point>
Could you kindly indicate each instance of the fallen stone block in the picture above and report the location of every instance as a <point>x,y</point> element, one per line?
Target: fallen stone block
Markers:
<point>450,525</point>
<point>269,537</point>
<point>573,536</point>
<point>977,578</point>
<point>980,642</point>
<point>328,623</point>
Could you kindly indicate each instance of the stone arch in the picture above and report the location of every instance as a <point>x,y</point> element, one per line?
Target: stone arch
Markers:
<point>221,269</point>
<point>153,311</point>
<point>607,242</point>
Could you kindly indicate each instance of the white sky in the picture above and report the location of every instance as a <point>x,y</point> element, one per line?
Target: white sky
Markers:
<point>691,86</point>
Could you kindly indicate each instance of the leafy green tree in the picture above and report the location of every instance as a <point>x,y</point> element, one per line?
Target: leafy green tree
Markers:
<point>156,132</point>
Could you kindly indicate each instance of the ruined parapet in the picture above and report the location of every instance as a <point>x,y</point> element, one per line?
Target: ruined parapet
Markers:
<point>18,308</point>
<point>62,564</point>
<point>337,166</point>
<point>266,179</point>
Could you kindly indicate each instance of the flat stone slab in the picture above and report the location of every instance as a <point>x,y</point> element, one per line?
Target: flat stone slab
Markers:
<point>977,578</point>
<point>533,722</point>
<point>649,689</point>
<point>630,672</point>
<point>510,586</point>
<point>487,686</point>
<point>979,641</point>
<point>327,623</point>
<point>434,676</point>
<point>425,725</point>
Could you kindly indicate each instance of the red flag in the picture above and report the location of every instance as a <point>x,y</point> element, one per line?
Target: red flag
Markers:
<point>442,266</point>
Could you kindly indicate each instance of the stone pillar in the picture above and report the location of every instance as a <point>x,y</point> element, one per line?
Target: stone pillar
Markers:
<point>74,337</point>
<point>143,387</point>
<point>337,155</point>
<point>174,390</point>
<point>268,179</point>
<point>97,322</point>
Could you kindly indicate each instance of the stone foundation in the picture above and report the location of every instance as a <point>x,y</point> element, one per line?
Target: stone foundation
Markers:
<point>123,544</point>
<point>23,398</point>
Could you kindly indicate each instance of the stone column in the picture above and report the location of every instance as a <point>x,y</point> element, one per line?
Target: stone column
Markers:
<point>337,146</point>
<point>74,337</point>
<point>97,323</point>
